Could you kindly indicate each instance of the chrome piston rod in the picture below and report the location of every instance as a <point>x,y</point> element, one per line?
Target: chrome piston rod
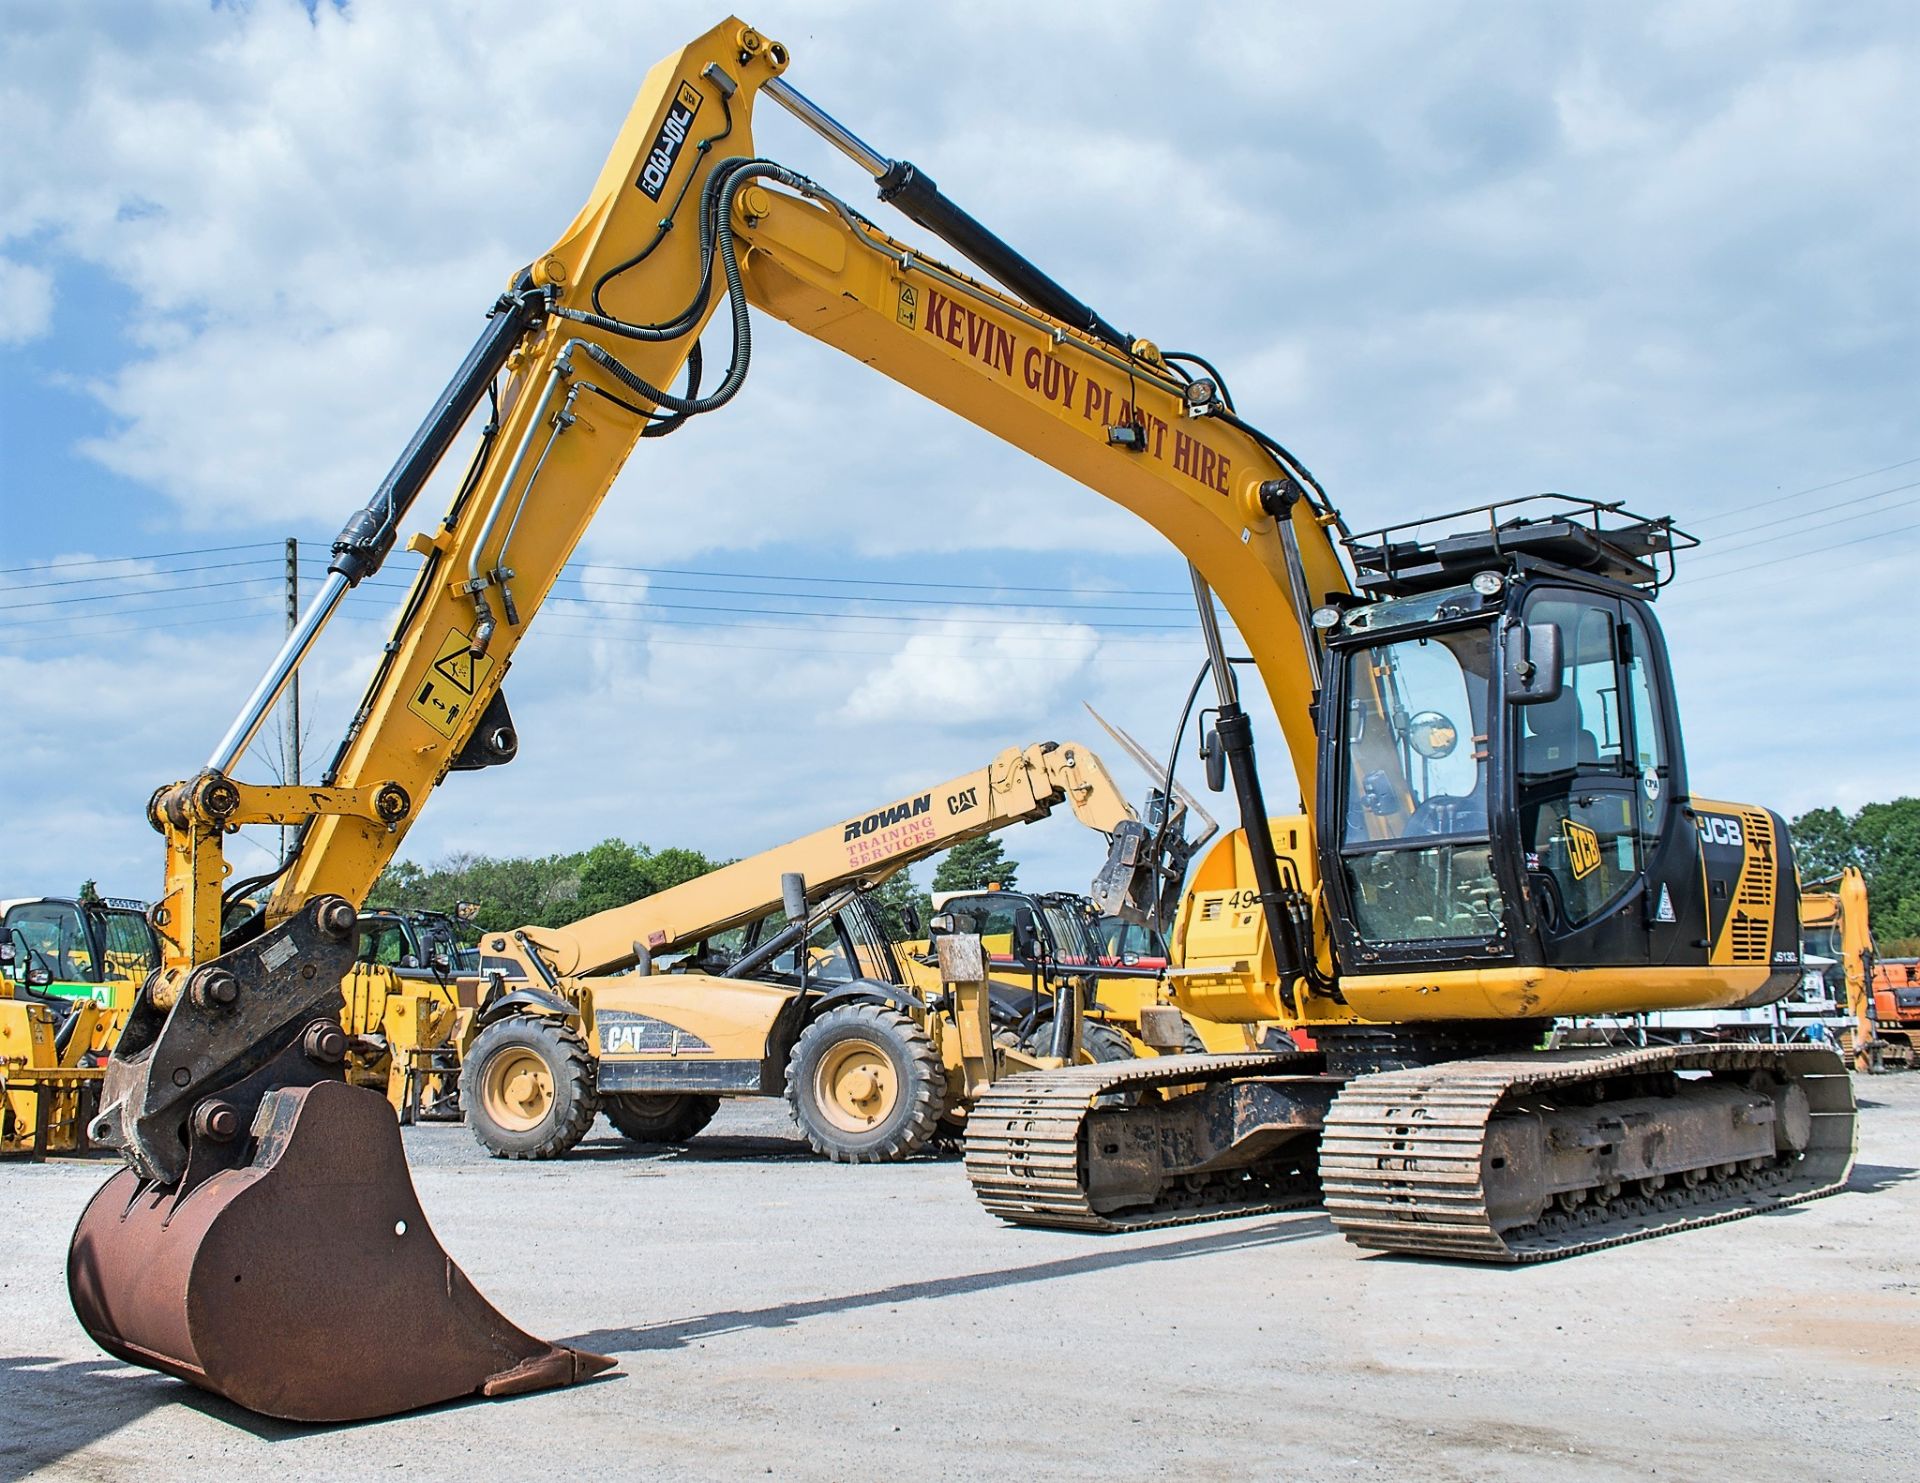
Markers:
<point>266,694</point>
<point>827,127</point>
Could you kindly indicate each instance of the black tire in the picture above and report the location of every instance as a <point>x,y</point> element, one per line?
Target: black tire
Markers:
<point>907,1088</point>
<point>1104,1043</point>
<point>527,1086</point>
<point>1099,1042</point>
<point>647,1117</point>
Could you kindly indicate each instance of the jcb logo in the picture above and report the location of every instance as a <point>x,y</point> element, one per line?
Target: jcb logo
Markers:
<point>1719,829</point>
<point>966,798</point>
<point>1583,849</point>
<point>668,142</point>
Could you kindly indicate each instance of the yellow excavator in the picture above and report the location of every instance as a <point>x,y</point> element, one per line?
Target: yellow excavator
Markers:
<point>781,983</point>
<point>1834,924</point>
<point>1500,826</point>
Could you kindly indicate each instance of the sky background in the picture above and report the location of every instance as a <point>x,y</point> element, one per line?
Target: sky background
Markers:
<point>1448,253</point>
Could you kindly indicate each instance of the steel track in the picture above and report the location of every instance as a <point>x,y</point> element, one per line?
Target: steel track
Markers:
<point>1025,1146</point>
<point>1401,1155</point>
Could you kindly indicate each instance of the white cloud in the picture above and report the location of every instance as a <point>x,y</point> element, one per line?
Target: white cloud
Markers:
<point>26,302</point>
<point>1447,253</point>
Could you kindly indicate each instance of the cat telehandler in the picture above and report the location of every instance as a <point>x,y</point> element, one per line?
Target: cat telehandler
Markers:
<point>772,977</point>
<point>1498,822</point>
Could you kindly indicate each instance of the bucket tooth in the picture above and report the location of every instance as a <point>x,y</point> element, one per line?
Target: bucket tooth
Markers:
<point>306,1284</point>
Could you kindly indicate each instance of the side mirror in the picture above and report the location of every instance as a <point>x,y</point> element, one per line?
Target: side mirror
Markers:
<point>910,919</point>
<point>6,953</point>
<point>1129,960</point>
<point>1026,936</point>
<point>1215,757</point>
<point>939,924</point>
<point>38,978</point>
<point>466,911</point>
<point>407,960</point>
<point>793,894</point>
<point>439,962</point>
<point>1533,663</point>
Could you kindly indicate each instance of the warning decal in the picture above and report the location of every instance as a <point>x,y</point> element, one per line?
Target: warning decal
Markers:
<point>447,691</point>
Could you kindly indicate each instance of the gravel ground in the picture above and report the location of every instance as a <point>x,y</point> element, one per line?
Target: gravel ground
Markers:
<point>777,1316</point>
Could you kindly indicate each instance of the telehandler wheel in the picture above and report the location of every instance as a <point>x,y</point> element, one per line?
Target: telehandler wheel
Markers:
<point>1105,1043</point>
<point>527,1086</point>
<point>865,1085</point>
<point>1098,1042</point>
<point>651,1118</point>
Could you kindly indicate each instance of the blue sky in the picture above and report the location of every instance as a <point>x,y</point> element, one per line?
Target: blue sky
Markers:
<point>1448,253</point>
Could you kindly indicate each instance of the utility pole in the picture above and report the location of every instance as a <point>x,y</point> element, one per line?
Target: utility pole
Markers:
<point>291,747</point>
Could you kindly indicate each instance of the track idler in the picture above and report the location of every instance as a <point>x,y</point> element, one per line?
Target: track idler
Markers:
<point>305,1283</point>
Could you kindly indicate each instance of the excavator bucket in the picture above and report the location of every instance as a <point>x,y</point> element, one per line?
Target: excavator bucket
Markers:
<point>305,1285</point>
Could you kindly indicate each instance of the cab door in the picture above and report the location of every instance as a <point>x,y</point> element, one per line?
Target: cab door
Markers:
<point>1609,860</point>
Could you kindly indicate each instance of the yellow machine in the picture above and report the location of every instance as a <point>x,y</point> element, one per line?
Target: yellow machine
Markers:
<point>408,1010</point>
<point>781,984</point>
<point>70,969</point>
<point>1834,924</point>
<point>1499,823</point>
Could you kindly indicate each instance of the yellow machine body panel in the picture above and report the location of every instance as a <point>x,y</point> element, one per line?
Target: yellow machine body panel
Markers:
<point>682,1017</point>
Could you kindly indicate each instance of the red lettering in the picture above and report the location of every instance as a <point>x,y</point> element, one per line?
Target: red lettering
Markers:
<point>976,333</point>
<point>1002,355</point>
<point>1183,453</point>
<point>1204,473</point>
<point>956,337</point>
<point>1091,404</point>
<point>1225,464</point>
<point>1030,368</point>
<point>934,305</point>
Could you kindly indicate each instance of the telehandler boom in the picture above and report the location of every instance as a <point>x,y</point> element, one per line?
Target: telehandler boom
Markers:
<point>1482,726</point>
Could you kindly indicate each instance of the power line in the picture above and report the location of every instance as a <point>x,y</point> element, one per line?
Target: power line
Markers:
<point>1798,493</point>
<point>102,633</point>
<point>1814,514</point>
<point>61,602</point>
<point>171,571</point>
<point>1788,535</point>
<point>1872,535</point>
<point>683,571</point>
<point>131,612</point>
<point>938,602</point>
<point>7,571</point>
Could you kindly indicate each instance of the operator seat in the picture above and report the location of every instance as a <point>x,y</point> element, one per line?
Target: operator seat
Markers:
<point>1556,739</point>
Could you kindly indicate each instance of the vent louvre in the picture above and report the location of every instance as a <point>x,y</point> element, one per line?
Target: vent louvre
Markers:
<point>1750,935</point>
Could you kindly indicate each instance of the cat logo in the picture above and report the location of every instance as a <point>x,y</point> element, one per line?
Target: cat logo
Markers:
<point>1583,849</point>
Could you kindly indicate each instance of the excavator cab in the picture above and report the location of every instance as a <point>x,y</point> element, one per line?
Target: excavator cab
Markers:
<point>1505,790</point>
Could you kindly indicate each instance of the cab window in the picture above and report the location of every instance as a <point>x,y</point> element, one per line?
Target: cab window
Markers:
<point>1416,849</point>
<point>129,944</point>
<point>1580,818</point>
<point>384,944</point>
<point>52,936</point>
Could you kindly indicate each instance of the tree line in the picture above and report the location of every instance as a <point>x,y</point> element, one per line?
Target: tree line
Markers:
<point>1883,841</point>
<point>554,890</point>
